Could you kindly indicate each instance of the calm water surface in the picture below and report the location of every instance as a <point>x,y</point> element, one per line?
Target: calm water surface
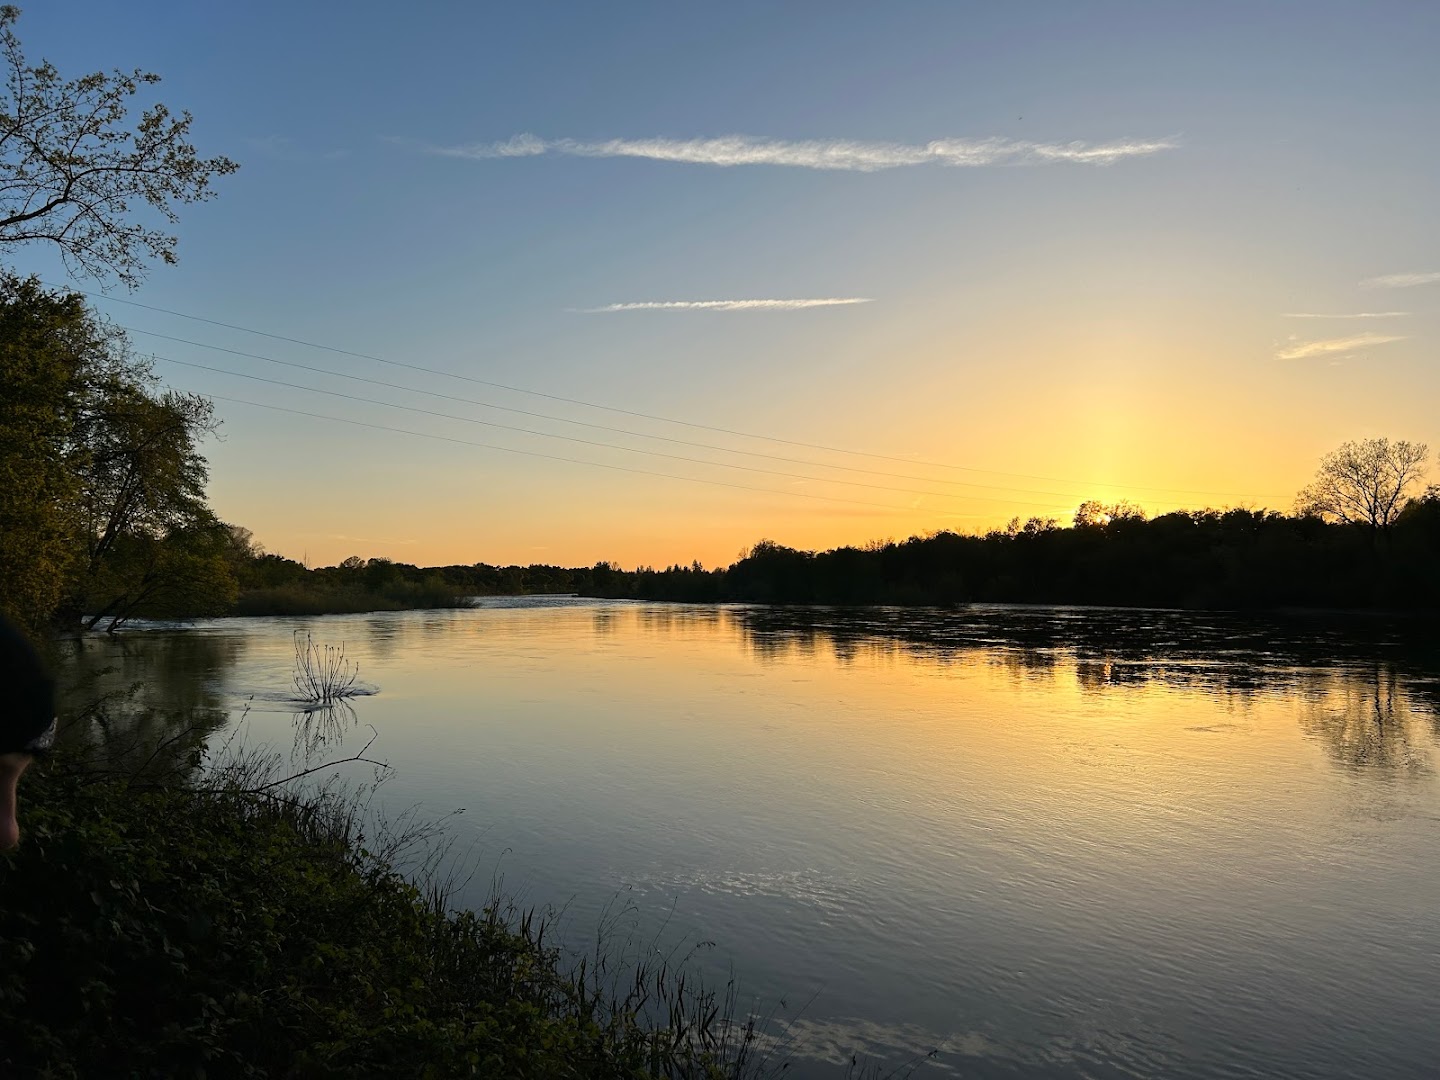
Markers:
<point>1041,842</point>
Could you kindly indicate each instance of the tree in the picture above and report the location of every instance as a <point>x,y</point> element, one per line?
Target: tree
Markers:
<point>72,171</point>
<point>181,573</point>
<point>102,485</point>
<point>142,472</point>
<point>48,343</point>
<point>144,521</point>
<point>1365,483</point>
<point>241,547</point>
<point>1093,512</point>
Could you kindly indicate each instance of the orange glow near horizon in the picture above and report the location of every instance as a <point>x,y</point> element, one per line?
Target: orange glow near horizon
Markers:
<point>973,270</point>
<point>1162,441</point>
<point>1032,417</point>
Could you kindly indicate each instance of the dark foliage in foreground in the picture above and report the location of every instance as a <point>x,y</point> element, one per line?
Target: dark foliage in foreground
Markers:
<point>172,931</point>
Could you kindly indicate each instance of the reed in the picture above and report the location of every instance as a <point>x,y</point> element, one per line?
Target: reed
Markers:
<point>323,675</point>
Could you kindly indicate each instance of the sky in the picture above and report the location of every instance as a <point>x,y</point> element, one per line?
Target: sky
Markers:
<point>832,272</point>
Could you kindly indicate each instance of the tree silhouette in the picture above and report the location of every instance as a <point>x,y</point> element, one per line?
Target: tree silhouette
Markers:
<point>72,172</point>
<point>102,508</point>
<point>1365,483</point>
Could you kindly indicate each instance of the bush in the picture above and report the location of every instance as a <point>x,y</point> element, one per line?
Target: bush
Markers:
<point>178,931</point>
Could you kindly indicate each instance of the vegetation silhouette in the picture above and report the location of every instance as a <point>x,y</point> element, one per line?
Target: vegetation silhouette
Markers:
<point>1366,483</point>
<point>1363,536</point>
<point>73,169</point>
<point>103,515</point>
<point>1109,555</point>
<point>323,675</point>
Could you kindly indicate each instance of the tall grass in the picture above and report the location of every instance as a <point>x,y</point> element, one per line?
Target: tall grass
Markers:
<point>257,918</point>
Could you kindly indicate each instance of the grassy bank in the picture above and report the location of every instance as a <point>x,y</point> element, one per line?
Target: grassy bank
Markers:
<point>220,931</point>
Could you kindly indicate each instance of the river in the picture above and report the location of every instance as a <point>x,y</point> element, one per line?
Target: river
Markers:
<point>999,842</point>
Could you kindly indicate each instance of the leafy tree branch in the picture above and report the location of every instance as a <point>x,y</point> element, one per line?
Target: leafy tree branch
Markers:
<point>75,172</point>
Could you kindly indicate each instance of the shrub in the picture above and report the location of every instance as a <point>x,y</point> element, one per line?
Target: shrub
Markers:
<point>244,932</point>
<point>323,676</point>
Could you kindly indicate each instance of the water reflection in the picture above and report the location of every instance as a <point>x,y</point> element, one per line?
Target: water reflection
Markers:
<point>1046,842</point>
<point>1369,688</point>
<point>670,620</point>
<point>384,636</point>
<point>1371,720</point>
<point>128,706</point>
<point>322,728</point>
<point>1368,685</point>
<point>1171,642</point>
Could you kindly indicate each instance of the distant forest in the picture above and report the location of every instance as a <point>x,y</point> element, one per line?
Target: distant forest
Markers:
<point>1190,559</point>
<point>1108,555</point>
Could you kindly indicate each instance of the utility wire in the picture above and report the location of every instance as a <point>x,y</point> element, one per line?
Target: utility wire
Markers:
<point>557,457</point>
<point>642,415</point>
<point>605,427</point>
<point>592,442</point>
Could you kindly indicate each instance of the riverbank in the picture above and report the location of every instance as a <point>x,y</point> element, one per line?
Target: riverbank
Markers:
<point>341,600</point>
<point>273,585</point>
<point>184,930</point>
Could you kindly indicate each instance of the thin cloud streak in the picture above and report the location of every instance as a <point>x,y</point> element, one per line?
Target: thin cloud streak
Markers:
<point>1402,281</point>
<point>1352,315</point>
<point>829,154</point>
<point>1330,346</point>
<point>726,305</point>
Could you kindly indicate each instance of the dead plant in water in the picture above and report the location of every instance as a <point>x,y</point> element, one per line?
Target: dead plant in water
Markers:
<point>323,676</point>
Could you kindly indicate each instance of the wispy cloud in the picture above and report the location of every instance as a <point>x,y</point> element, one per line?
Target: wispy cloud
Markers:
<point>1303,350</point>
<point>1350,315</point>
<point>1401,281</point>
<point>837,154</point>
<point>726,305</point>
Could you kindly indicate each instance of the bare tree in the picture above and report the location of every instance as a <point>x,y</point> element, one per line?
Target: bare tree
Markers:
<point>72,173</point>
<point>1365,483</point>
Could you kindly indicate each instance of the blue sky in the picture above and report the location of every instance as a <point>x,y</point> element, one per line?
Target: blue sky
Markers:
<point>1118,329</point>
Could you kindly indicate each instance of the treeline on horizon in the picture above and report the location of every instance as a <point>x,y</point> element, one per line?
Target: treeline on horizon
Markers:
<point>269,584</point>
<point>1236,558</point>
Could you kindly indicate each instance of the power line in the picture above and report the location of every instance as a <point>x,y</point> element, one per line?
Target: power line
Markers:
<point>556,457</point>
<point>592,442</point>
<point>601,427</point>
<point>644,415</point>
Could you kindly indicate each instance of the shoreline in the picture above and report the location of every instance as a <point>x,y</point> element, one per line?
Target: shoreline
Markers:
<point>216,925</point>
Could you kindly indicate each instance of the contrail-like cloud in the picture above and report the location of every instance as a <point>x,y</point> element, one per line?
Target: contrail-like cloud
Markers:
<point>1330,346</point>
<point>1401,281</point>
<point>727,305</point>
<point>833,154</point>
<point>1351,315</point>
